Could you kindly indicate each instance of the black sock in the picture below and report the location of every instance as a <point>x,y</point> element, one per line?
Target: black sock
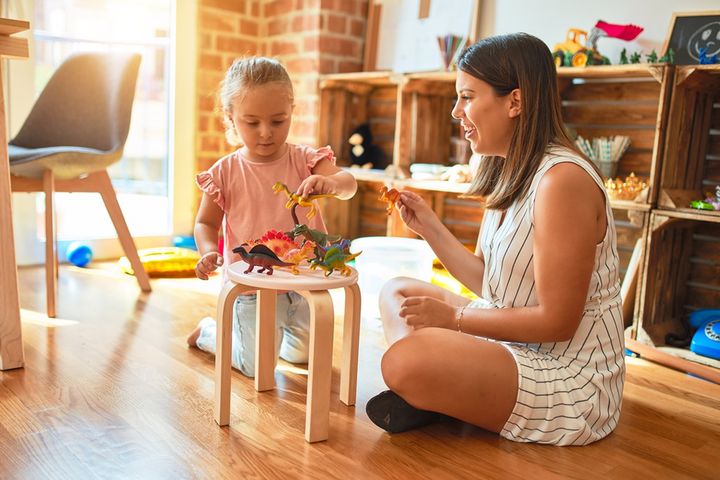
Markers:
<point>390,412</point>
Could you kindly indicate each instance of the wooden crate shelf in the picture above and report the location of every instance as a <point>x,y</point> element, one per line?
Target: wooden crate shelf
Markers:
<point>682,272</point>
<point>691,166</point>
<point>628,100</point>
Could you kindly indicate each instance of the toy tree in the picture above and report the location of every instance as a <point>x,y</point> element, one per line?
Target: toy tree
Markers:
<point>623,57</point>
<point>652,57</point>
<point>669,57</point>
<point>635,57</point>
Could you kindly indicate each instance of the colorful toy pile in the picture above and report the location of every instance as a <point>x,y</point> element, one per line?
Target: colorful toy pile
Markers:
<point>579,50</point>
<point>301,244</point>
<point>711,202</point>
<point>627,189</point>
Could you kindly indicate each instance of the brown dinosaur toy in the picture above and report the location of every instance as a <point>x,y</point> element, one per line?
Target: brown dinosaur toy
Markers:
<point>260,256</point>
<point>297,200</point>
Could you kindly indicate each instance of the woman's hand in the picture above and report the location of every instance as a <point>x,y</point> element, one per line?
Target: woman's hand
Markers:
<point>317,185</point>
<point>421,312</point>
<point>207,264</point>
<point>416,214</point>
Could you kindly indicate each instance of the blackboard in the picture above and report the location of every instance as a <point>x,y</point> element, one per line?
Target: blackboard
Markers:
<point>691,31</point>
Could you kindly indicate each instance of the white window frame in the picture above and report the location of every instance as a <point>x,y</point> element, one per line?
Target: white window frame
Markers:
<point>19,101</point>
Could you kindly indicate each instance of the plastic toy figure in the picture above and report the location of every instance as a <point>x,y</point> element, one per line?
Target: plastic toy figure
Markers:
<point>260,256</point>
<point>652,57</point>
<point>333,259</point>
<point>364,153</point>
<point>623,57</point>
<point>705,60</point>
<point>669,57</point>
<point>320,238</point>
<point>390,196</point>
<point>294,199</point>
<point>583,49</point>
<point>635,58</point>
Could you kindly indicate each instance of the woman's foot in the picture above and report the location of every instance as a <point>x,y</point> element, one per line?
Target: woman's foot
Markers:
<point>390,412</point>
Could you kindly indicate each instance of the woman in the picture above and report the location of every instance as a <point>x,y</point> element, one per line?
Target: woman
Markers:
<point>539,357</point>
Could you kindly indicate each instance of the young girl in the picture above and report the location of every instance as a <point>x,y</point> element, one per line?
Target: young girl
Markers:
<point>257,101</point>
<point>539,358</point>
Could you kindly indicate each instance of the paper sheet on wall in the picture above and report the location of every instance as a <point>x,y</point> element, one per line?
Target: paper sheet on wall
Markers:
<point>409,44</point>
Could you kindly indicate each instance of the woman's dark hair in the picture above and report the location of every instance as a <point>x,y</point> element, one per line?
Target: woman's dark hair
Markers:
<point>509,62</point>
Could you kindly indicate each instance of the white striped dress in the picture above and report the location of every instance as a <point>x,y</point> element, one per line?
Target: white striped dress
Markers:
<point>569,393</point>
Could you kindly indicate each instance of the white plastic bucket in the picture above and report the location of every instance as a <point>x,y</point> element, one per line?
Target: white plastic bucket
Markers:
<point>383,258</point>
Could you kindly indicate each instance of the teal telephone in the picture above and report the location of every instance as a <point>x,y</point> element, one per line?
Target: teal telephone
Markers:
<point>706,340</point>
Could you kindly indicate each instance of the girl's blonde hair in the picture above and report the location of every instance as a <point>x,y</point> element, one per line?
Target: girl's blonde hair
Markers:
<point>242,75</point>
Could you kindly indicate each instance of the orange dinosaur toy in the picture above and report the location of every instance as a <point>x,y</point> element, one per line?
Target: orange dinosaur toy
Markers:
<point>390,196</point>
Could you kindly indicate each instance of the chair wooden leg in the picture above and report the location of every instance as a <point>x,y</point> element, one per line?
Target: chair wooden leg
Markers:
<point>51,270</point>
<point>351,345</point>
<point>265,330</point>
<point>107,192</point>
<point>317,417</point>
<point>223,350</point>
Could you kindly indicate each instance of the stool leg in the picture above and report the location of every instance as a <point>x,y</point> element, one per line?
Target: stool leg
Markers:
<point>317,416</point>
<point>265,328</point>
<point>223,350</point>
<point>351,345</point>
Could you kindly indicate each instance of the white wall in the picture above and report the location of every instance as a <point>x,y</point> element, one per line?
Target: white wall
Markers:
<point>550,19</point>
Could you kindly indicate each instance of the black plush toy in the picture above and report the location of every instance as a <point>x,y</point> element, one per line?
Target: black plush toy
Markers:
<point>363,152</point>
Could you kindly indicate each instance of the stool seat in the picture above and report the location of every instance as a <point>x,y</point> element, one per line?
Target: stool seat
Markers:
<point>314,286</point>
<point>307,279</point>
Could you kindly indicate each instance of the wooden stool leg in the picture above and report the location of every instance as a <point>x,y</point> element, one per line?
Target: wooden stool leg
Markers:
<point>265,354</point>
<point>351,345</point>
<point>223,350</point>
<point>51,270</point>
<point>317,416</point>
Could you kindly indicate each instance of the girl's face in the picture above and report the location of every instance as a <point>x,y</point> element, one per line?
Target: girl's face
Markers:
<point>488,119</point>
<point>262,117</point>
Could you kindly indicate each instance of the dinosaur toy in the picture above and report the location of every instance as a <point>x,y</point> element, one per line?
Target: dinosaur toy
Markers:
<point>390,196</point>
<point>297,255</point>
<point>320,238</point>
<point>260,256</point>
<point>333,259</point>
<point>295,199</point>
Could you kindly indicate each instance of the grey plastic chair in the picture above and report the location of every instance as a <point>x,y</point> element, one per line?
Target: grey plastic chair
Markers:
<point>75,130</point>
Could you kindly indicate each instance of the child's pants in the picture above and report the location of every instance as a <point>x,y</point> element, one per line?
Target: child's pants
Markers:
<point>292,337</point>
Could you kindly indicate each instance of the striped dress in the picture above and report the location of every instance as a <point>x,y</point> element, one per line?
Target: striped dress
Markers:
<point>569,393</point>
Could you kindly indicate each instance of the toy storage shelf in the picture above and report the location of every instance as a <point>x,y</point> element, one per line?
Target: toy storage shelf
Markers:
<point>691,166</point>
<point>682,272</point>
<point>630,100</point>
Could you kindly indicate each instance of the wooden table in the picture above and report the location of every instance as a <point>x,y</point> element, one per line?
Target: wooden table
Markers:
<point>11,348</point>
<point>314,286</point>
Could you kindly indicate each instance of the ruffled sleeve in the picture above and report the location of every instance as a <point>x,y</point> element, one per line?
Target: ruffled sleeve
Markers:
<point>207,184</point>
<point>314,156</point>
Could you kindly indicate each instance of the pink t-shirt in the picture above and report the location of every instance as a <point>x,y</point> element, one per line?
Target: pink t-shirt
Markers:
<point>243,190</point>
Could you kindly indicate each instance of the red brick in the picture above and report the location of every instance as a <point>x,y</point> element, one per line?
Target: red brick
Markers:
<point>238,46</point>
<point>347,6</point>
<point>218,124</point>
<point>311,44</point>
<point>344,67</point>
<point>278,26</point>
<point>249,27</point>
<point>302,65</point>
<point>327,66</point>
<point>203,123</point>
<point>206,41</point>
<point>357,28</point>
<point>209,61</point>
<point>338,46</point>
<point>209,143</point>
<point>283,48</point>
<point>306,23</point>
<point>231,5</point>
<point>336,23</point>
<point>277,7</point>
<point>213,22</point>
<point>255,10</point>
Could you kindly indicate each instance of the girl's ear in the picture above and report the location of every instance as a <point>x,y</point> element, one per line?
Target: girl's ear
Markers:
<point>515,103</point>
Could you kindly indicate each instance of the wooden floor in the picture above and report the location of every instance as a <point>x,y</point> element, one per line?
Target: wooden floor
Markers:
<point>110,390</point>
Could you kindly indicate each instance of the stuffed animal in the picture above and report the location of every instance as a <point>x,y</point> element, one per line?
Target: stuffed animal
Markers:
<point>363,152</point>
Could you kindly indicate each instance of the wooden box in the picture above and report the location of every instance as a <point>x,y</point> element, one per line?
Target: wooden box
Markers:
<point>682,272</point>
<point>349,100</point>
<point>628,100</point>
<point>691,166</point>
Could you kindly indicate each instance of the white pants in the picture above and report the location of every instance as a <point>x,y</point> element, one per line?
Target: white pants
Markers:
<point>292,337</point>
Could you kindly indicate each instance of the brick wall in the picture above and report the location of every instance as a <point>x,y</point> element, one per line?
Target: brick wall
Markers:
<point>310,37</point>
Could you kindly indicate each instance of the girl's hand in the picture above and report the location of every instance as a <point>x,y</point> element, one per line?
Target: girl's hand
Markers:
<point>207,264</point>
<point>422,312</point>
<point>317,185</point>
<point>416,214</point>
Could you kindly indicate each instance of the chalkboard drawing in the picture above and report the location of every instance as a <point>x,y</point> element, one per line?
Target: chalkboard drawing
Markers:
<point>707,37</point>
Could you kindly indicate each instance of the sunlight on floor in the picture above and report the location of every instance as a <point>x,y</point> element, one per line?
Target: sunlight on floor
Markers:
<point>37,318</point>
